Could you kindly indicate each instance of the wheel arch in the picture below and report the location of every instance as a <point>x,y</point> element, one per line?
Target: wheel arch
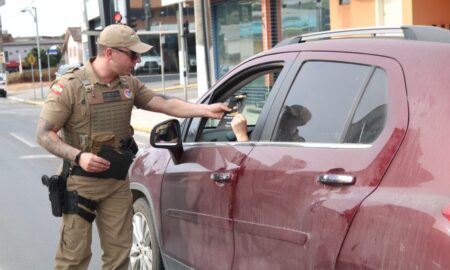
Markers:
<point>140,191</point>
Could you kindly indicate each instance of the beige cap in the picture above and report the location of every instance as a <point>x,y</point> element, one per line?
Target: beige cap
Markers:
<point>122,36</point>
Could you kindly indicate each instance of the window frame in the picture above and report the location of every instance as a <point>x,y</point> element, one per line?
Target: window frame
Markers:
<point>236,79</point>
<point>396,95</point>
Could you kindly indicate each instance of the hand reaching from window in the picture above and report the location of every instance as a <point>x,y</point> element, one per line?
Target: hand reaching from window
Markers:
<point>239,126</point>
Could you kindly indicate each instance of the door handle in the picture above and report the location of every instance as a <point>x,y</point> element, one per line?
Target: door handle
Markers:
<point>221,177</point>
<point>336,179</point>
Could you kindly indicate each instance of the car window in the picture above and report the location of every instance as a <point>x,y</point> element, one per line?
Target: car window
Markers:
<point>255,90</point>
<point>370,116</point>
<point>323,99</point>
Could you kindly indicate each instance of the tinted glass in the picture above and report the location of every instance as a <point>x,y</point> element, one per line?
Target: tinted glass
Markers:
<point>321,102</point>
<point>238,32</point>
<point>300,17</point>
<point>370,116</point>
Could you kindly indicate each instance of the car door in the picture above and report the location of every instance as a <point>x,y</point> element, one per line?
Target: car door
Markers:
<point>198,193</point>
<point>325,147</point>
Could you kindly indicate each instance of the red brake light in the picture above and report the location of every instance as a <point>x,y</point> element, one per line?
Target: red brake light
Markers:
<point>446,212</point>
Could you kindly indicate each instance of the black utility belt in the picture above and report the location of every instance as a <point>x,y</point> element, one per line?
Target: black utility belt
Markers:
<point>118,169</point>
<point>110,173</point>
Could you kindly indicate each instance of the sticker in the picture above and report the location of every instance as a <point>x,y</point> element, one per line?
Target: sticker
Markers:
<point>127,92</point>
<point>57,89</point>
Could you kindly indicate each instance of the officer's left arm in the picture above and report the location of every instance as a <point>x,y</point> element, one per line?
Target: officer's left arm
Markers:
<point>180,108</point>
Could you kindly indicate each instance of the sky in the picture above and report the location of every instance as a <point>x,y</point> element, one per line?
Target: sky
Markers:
<point>54,17</point>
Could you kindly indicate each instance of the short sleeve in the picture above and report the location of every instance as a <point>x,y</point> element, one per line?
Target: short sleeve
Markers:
<point>143,93</point>
<point>58,106</point>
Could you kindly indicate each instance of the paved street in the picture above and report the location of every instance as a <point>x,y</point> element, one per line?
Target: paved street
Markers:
<point>29,232</point>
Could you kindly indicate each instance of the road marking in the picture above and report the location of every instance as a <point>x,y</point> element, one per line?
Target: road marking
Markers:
<point>23,140</point>
<point>36,157</point>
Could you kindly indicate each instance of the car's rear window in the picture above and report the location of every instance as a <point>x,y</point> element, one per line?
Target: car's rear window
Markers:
<point>334,102</point>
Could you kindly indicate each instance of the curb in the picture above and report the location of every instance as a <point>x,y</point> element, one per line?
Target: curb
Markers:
<point>173,88</point>
<point>28,101</point>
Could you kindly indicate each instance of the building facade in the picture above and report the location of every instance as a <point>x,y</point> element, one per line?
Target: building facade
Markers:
<point>17,49</point>
<point>72,49</point>
<point>369,13</point>
<point>222,33</point>
<point>230,31</point>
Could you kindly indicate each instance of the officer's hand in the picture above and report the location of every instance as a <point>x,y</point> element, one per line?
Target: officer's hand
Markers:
<point>93,163</point>
<point>216,110</point>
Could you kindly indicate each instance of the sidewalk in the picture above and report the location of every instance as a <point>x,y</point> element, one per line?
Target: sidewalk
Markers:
<point>141,120</point>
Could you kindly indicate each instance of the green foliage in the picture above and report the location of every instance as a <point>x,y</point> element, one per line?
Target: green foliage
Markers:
<point>54,59</point>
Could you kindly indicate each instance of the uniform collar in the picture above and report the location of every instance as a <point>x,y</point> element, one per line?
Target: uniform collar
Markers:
<point>93,77</point>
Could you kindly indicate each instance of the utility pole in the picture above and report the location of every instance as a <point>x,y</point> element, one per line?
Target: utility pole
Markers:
<point>2,66</point>
<point>38,45</point>
<point>182,54</point>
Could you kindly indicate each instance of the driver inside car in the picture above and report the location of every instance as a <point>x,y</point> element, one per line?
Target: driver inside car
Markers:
<point>292,117</point>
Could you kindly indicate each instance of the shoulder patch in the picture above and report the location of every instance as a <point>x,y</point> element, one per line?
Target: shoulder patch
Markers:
<point>57,88</point>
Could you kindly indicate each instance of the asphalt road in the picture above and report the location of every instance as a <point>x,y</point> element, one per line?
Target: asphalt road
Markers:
<point>28,232</point>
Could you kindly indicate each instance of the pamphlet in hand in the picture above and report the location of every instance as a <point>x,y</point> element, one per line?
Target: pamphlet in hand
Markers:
<point>236,104</point>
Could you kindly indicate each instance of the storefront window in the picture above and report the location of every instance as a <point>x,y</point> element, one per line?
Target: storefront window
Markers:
<point>306,16</point>
<point>150,19</point>
<point>237,32</point>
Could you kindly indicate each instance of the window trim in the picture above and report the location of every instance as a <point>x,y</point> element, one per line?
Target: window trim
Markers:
<point>236,83</point>
<point>283,60</point>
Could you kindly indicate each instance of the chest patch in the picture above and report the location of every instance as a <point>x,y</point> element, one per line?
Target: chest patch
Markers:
<point>127,93</point>
<point>111,96</point>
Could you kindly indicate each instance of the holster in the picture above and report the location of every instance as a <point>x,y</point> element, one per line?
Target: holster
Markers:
<point>63,201</point>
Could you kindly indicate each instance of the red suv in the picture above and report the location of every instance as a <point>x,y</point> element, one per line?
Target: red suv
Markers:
<point>346,167</point>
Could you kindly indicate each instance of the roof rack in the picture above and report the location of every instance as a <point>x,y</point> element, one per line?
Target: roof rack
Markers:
<point>413,32</point>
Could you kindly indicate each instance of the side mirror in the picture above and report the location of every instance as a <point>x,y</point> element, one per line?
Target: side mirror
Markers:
<point>167,135</point>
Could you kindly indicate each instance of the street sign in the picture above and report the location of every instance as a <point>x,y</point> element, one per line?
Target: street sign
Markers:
<point>32,59</point>
<point>52,51</point>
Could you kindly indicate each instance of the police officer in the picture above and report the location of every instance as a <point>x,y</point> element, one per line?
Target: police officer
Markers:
<point>90,108</point>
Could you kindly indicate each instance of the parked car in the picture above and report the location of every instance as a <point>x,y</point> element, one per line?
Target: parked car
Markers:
<point>3,92</point>
<point>346,167</point>
<point>150,63</point>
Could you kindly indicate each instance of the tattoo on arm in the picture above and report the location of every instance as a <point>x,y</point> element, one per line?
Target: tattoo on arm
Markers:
<point>48,138</point>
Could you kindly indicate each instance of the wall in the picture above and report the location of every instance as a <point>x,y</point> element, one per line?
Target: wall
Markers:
<point>359,13</point>
<point>362,13</point>
<point>431,12</point>
<point>74,52</point>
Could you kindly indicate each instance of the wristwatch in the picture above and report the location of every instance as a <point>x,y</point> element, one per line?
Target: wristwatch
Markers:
<point>77,157</point>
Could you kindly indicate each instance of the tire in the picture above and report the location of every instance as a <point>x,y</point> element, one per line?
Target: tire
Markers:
<point>145,253</point>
